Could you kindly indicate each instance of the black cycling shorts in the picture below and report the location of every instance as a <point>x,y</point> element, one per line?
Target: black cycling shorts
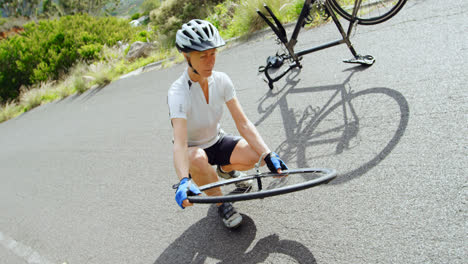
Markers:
<point>220,153</point>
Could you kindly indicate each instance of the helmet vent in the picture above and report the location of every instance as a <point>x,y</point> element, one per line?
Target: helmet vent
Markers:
<point>186,33</point>
<point>211,31</point>
<point>207,31</point>
<point>199,34</point>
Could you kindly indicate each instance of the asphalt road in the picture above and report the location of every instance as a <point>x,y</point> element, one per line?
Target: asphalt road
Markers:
<point>87,179</point>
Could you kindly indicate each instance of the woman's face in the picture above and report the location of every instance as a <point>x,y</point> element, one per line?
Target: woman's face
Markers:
<point>203,61</point>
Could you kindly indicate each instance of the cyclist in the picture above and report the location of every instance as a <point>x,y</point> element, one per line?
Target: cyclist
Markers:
<point>196,102</point>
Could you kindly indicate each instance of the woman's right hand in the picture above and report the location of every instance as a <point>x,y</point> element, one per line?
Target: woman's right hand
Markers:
<point>186,187</point>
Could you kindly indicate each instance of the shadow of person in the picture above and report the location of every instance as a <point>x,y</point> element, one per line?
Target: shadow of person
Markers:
<point>208,239</point>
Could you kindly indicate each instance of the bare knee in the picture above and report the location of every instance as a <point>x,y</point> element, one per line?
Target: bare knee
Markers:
<point>197,159</point>
<point>201,171</point>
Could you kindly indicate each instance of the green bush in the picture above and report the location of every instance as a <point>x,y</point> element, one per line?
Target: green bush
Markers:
<point>246,19</point>
<point>90,51</point>
<point>236,18</point>
<point>222,16</point>
<point>170,16</point>
<point>142,36</point>
<point>136,16</point>
<point>48,48</point>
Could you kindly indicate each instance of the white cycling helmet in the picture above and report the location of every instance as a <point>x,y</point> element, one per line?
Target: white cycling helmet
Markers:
<point>198,35</point>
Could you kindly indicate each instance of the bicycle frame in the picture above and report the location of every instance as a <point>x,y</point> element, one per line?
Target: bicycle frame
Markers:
<point>295,57</point>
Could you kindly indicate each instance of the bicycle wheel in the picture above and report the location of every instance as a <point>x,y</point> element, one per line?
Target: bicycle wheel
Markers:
<point>371,12</point>
<point>265,185</point>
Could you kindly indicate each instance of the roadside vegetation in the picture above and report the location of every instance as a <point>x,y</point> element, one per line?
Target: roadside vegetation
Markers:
<point>58,56</point>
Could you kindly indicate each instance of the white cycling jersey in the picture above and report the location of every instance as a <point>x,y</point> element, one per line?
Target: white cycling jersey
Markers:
<point>186,100</point>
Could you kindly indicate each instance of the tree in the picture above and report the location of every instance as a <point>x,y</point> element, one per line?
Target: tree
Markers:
<point>18,7</point>
<point>50,8</point>
<point>93,7</point>
<point>27,8</point>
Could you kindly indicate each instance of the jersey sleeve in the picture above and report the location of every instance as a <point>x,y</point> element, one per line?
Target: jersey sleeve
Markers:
<point>177,103</point>
<point>229,90</point>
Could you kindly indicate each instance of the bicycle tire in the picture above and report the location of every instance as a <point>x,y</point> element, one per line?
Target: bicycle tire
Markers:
<point>293,183</point>
<point>371,12</point>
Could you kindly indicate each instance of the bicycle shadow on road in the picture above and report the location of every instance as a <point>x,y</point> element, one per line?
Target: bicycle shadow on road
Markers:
<point>310,126</point>
<point>208,239</point>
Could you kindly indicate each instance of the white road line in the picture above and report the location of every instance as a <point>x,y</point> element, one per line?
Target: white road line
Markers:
<point>23,251</point>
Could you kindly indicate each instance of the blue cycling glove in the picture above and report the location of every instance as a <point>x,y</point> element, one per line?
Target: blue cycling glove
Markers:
<point>274,162</point>
<point>186,187</point>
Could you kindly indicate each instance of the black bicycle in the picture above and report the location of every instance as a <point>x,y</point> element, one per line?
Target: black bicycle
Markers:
<point>265,184</point>
<point>362,12</point>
